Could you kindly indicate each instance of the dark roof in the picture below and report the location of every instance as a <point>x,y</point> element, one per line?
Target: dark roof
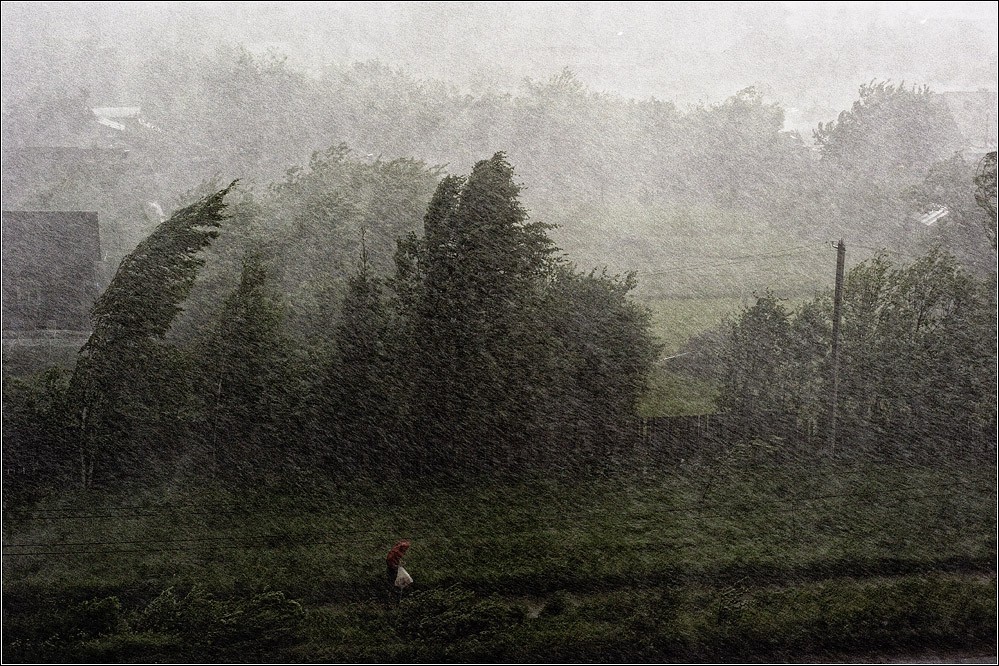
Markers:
<point>50,261</point>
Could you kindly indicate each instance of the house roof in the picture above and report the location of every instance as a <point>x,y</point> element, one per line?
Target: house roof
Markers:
<point>929,217</point>
<point>122,118</point>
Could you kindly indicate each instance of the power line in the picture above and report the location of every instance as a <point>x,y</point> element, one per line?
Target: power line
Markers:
<point>735,261</point>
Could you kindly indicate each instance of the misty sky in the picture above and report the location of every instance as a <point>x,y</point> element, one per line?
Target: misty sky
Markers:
<point>809,56</point>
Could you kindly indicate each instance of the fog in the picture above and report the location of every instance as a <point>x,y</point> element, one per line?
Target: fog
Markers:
<point>661,332</point>
<point>810,56</point>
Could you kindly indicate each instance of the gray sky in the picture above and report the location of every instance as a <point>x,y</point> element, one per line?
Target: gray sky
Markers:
<point>810,56</point>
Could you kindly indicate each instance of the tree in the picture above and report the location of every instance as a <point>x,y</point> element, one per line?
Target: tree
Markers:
<point>477,344</point>
<point>917,364</point>
<point>598,369</point>
<point>890,129</point>
<point>985,194</point>
<point>757,385</point>
<point>515,360</point>
<point>244,364</point>
<point>359,392</point>
<point>123,373</point>
<point>37,447</point>
<point>918,355</point>
<point>952,185</point>
<point>885,144</point>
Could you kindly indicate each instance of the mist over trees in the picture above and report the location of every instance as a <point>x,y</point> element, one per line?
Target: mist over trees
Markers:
<point>632,183</point>
<point>364,294</point>
<point>541,293</point>
<point>484,352</point>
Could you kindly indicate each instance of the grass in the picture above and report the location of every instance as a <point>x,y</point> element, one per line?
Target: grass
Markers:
<point>697,563</point>
<point>674,322</point>
<point>676,394</point>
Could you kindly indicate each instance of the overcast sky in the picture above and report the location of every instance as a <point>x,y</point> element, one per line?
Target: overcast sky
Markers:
<point>810,56</point>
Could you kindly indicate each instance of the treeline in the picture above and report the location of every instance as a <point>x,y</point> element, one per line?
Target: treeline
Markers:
<point>480,350</point>
<point>916,372</point>
<point>633,184</point>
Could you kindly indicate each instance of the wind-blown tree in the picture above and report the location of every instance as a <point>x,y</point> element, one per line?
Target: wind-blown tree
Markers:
<point>513,361</point>
<point>314,217</point>
<point>985,194</point>
<point>359,397</point>
<point>245,370</point>
<point>486,267</point>
<point>125,377</point>
<point>917,363</point>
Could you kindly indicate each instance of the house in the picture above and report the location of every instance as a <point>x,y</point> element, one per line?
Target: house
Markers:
<point>51,264</point>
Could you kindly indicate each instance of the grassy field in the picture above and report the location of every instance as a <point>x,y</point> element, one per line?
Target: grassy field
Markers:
<point>674,322</point>
<point>736,561</point>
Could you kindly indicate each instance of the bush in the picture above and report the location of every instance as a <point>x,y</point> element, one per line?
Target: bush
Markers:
<point>97,617</point>
<point>268,618</point>
<point>453,614</point>
<point>264,620</point>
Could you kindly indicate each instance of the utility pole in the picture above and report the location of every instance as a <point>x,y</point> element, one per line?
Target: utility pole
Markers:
<point>837,309</point>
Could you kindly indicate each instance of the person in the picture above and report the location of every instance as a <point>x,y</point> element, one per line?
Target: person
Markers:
<point>394,560</point>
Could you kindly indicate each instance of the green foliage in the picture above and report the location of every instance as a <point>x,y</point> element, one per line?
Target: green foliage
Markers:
<point>917,367</point>
<point>314,219</point>
<point>97,616</point>
<point>145,294</point>
<point>124,376</point>
<point>605,352</point>
<point>245,378</point>
<point>871,155</point>
<point>774,557</point>
<point>678,394</point>
<point>206,623</point>
<point>558,604</point>
<point>485,267</point>
<point>890,127</point>
<point>919,350</point>
<point>755,382</point>
<point>37,442</point>
<point>965,229</point>
<point>358,397</point>
<point>446,617</point>
<point>985,194</point>
<point>193,624</point>
<point>510,358</point>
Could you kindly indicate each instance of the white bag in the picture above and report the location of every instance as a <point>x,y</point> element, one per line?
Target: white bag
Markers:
<point>403,579</point>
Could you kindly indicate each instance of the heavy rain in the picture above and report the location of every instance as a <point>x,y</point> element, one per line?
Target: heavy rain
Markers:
<point>499,332</point>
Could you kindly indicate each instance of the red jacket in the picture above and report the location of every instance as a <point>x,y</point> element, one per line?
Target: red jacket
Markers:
<point>395,555</point>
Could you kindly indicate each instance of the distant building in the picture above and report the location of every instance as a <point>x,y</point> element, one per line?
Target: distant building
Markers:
<point>930,217</point>
<point>62,158</point>
<point>51,264</point>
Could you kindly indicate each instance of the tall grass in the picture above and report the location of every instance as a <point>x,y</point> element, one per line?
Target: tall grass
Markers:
<point>771,542</point>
